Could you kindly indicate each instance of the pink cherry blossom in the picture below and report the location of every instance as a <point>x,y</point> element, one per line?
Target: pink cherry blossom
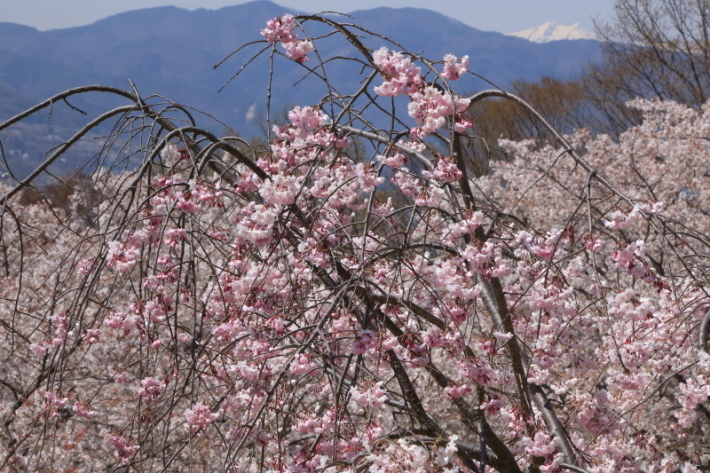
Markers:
<point>124,450</point>
<point>150,389</point>
<point>297,50</point>
<point>200,416</point>
<point>280,29</point>
<point>400,74</point>
<point>454,67</point>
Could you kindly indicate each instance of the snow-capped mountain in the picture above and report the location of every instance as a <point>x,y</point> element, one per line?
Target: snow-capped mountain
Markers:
<point>552,32</point>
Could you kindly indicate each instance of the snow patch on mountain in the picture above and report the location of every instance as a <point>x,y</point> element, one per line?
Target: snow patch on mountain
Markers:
<point>552,32</point>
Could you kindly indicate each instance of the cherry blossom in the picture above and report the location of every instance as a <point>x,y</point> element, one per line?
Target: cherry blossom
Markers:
<point>280,29</point>
<point>200,416</point>
<point>350,297</point>
<point>454,67</point>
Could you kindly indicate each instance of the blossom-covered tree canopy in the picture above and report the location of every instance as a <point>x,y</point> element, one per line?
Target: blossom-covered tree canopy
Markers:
<point>352,298</point>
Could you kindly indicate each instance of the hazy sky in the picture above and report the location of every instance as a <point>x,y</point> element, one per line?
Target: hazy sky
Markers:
<point>505,16</point>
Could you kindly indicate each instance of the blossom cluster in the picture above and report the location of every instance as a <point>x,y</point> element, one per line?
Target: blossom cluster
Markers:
<point>429,106</point>
<point>282,29</point>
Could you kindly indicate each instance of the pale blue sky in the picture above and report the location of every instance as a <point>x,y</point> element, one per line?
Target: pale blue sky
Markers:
<point>505,16</point>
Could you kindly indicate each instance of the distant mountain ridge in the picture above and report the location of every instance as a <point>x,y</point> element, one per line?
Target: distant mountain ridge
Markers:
<point>553,32</point>
<point>170,51</point>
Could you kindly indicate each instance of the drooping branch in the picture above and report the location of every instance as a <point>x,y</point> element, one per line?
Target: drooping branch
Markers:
<point>704,334</point>
<point>63,148</point>
<point>64,95</point>
<point>494,299</point>
<point>568,148</point>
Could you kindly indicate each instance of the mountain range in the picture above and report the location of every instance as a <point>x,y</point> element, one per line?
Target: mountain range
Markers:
<point>170,51</point>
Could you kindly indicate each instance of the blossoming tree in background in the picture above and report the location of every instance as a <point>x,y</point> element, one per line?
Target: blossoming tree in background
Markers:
<point>353,299</point>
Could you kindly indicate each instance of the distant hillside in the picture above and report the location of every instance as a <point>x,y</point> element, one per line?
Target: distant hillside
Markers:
<point>171,51</point>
